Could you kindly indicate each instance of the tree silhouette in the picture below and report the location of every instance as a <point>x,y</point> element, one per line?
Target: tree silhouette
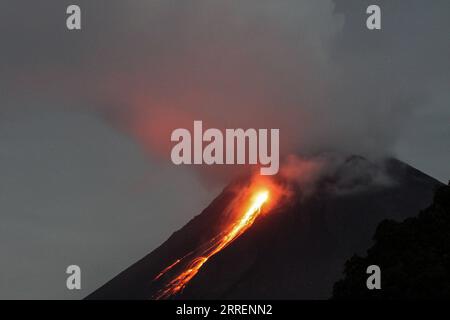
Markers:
<point>414,257</point>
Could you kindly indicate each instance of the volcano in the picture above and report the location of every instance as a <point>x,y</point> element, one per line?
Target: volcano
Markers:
<point>296,251</point>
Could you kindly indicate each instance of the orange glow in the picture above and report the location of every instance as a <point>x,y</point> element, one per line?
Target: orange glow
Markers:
<point>244,221</point>
<point>167,269</point>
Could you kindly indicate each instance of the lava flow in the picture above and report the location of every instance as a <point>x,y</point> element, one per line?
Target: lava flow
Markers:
<point>244,222</point>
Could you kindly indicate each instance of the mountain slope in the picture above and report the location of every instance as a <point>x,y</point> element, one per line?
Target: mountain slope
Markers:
<point>297,251</point>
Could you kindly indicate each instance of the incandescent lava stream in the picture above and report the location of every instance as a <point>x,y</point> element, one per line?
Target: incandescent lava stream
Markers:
<point>242,223</point>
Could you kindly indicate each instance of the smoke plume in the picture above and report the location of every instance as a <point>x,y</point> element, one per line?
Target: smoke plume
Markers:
<point>309,68</point>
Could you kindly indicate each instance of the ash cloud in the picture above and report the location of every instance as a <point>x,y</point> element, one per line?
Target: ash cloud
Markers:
<point>310,68</point>
<point>334,173</point>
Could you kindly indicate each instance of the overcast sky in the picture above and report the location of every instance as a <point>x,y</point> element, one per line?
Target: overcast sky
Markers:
<point>86,116</point>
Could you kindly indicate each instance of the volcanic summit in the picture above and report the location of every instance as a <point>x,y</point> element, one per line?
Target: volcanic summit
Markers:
<point>279,245</point>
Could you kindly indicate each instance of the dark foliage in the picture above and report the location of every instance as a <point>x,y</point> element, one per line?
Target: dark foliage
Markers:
<point>413,255</point>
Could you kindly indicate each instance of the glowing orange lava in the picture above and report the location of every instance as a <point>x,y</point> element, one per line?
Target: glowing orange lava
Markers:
<point>177,284</point>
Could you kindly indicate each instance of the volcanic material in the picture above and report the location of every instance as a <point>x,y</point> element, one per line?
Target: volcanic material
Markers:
<point>295,249</point>
<point>227,236</point>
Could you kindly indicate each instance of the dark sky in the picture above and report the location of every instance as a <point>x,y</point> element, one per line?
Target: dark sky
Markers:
<point>86,116</point>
